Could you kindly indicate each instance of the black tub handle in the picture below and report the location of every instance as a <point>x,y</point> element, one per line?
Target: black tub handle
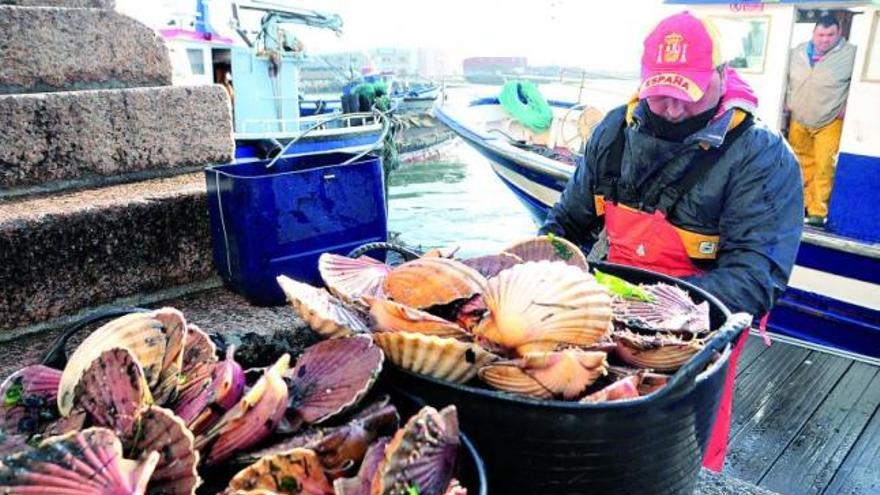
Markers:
<point>727,334</point>
<point>56,358</point>
<point>408,254</point>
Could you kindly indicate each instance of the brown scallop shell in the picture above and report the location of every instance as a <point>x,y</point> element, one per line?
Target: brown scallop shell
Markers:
<point>350,278</point>
<point>324,313</point>
<point>390,316</point>
<point>547,374</point>
<point>672,309</point>
<point>443,358</point>
<point>540,305</point>
<point>163,432</point>
<point>360,484</point>
<point>199,349</point>
<point>623,389</point>
<point>297,471</point>
<point>549,248</point>
<point>664,353</point>
<point>427,282</point>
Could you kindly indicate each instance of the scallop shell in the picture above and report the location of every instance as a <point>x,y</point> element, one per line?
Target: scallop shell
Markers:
<point>623,389</point>
<point>443,358</point>
<point>390,316</point>
<point>539,305</point>
<point>161,431</point>
<point>209,391</point>
<point>297,471</point>
<point>360,484</point>
<point>549,248</point>
<point>82,462</point>
<point>421,454</point>
<point>332,376</point>
<point>427,282</point>
<point>199,350</point>
<point>547,374</point>
<point>671,310</point>
<point>341,447</point>
<point>27,399</point>
<point>146,336</point>
<point>114,392</point>
<point>323,312</point>
<point>350,278</point>
<point>493,264</point>
<point>660,353</point>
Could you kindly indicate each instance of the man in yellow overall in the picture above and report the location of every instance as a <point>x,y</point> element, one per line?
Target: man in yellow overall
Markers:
<point>818,84</point>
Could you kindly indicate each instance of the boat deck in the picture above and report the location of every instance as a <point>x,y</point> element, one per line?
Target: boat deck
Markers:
<point>805,421</point>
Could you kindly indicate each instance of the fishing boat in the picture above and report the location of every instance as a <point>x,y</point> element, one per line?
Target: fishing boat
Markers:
<point>260,68</point>
<point>833,299</point>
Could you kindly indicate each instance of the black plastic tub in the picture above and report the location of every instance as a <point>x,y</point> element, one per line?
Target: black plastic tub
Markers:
<point>650,445</point>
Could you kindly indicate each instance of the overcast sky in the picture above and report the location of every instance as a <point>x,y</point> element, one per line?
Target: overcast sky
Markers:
<point>586,33</point>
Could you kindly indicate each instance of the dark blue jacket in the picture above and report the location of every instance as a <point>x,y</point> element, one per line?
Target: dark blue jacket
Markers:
<point>752,198</point>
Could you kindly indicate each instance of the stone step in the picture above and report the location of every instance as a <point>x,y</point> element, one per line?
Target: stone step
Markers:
<point>52,141</point>
<point>76,250</point>
<point>63,49</point>
<point>75,4</point>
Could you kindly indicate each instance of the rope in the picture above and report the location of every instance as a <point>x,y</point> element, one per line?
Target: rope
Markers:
<point>523,101</point>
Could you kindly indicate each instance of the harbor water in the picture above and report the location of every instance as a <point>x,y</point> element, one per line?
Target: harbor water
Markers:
<point>455,200</point>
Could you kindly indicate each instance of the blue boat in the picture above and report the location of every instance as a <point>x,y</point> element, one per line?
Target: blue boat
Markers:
<point>261,72</point>
<point>833,299</point>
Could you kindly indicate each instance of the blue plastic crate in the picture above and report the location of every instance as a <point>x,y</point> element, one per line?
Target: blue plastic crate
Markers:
<point>267,222</point>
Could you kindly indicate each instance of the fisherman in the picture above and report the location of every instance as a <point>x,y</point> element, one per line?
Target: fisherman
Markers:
<point>684,180</point>
<point>819,74</point>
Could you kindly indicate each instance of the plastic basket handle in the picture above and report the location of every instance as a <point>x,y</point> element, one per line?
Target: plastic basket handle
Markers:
<point>56,358</point>
<point>732,328</point>
<point>408,254</point>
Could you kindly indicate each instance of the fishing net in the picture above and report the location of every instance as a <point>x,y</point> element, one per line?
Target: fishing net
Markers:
<point>523,101</point>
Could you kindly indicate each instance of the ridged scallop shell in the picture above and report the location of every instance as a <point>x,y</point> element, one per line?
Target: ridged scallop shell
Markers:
<point>163,432</point>
<point>324,313</point>
<point>350,278</point>
<point>421,454</point>
<point>548,248</point>
<point>671,310</point>
<point>390,316</point>
<point>493,264</point>
<point>199,349</point>
<point>360,484</point>
<point>427,282</point>
<point>297,471</point>
<point>547,374</point>
<point>209,391</point>
<point>660,353</point>
<point>155,340</point>
<point>27,399</point>
<point>81,462</point>
<point>443,358</point>
<point>114,392</point>
<point>539,305</point>
<point>332,376</point>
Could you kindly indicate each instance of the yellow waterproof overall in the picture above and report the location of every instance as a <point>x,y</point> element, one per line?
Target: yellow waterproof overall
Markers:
<point>816,150</point>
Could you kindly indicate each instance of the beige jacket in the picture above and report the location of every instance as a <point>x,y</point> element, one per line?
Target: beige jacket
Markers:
<point>816,95</point>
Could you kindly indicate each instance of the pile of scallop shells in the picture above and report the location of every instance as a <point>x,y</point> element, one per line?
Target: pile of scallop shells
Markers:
<point>144,405</point>
<point>531,320</point>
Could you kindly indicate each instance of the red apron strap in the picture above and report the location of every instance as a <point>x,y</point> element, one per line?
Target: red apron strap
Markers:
<point>762,329</point>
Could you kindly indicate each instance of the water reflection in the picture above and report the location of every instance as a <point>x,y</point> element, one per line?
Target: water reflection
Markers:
<point>455,200</point>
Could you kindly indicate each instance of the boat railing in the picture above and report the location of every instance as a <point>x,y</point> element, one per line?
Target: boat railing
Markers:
<point>295,126</point>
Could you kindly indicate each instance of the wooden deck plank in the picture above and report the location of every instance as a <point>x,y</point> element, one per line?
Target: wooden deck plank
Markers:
<point>810,462</point>
<point>753,349</point>
<point>758,382</point>
<point>764,437</point>
<point>860,472</point>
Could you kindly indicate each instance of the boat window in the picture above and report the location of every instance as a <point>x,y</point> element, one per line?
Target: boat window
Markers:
<point>743,41</point>
<point>872,60</point>
<point>196,61</point>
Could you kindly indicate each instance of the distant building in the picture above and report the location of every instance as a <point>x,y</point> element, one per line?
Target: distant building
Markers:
<point>491,70</point>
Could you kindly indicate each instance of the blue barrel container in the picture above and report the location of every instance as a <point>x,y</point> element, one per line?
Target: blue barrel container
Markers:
<point>275,221</point>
